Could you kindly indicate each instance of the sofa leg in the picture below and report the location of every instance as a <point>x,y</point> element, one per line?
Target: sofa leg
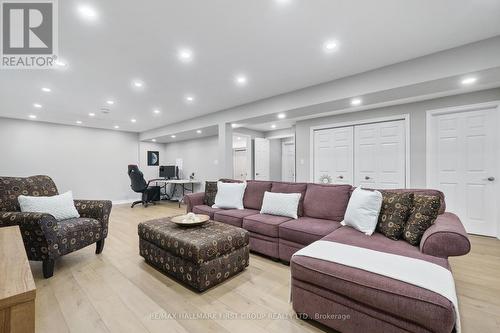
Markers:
<point>48,268</point>
<point>99,246</point>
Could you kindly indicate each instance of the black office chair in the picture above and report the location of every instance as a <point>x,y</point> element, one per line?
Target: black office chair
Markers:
<point>150,194</point>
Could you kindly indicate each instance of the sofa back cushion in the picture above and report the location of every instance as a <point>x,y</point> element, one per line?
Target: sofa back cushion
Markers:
<point>328,202</point>
<point>13,187</point>
<point>284,187</point>
<point>254,193</point>
<point>442,204</point>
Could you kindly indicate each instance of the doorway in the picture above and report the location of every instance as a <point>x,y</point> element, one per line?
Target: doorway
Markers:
<point>288,161</point>
<point>242,157</point>
<point>463,162</point>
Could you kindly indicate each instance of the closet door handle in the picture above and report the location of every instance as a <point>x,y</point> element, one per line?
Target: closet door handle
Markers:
<point>367,177</point>
<point>340,177</point>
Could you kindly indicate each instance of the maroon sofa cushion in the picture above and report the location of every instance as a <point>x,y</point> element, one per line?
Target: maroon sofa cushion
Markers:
<point>306,230</point>
<point>327,202</point>
<point>254,193</point>
<point>397,298</point>
<point>264,224</point>
<point>206,210</point>
<point>234,216</point>
<point>284,187</point>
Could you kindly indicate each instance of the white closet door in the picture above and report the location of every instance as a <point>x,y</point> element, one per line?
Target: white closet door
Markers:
<point>262,162</point>
<point>464,165</point>
<point>379,155</point>
<point>333,154</point>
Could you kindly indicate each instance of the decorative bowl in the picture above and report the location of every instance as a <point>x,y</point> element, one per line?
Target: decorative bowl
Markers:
<point>190,219</point>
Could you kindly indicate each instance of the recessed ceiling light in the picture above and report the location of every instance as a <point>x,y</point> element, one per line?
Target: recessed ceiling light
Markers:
<point>47,90</point>
<point>91,114</point>
<point>330,46</point>
<point>189,98</point>
<point>79,122</point>
<point>110,102</point>
<point>116,127</point>
<point>238,138</point>
<point>281,116</point>
<point>273,126</point>
<point>36,105</point>
<point>469,80</point>
<point>234,125</point>
<point>356,101</point>
<point>156,111</point>
<point>241,80</point>
<point>282,2</point>
<point>154,140</point>
<point>32,116</point>
<point>185,55</point>
<point>138,83</point>
<point>133,120</point>
<point>198,131</point>
<point>172,136</point>
<point>87,12</point>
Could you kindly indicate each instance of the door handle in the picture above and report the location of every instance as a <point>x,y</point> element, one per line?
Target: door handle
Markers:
<point>490,179</point>
<point>340,177</point>
<point>367,177</point>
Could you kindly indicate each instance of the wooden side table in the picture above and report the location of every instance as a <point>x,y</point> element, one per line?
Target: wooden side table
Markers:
<point>17,287</point>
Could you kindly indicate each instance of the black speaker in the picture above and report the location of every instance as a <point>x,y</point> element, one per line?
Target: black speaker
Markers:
<point>154,193</point>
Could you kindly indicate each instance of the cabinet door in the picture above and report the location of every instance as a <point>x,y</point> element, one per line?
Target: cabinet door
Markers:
<point>333,155</point>
<point>379,155</point>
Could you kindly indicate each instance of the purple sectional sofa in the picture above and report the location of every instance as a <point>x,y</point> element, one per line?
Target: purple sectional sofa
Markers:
<point>344,298</point>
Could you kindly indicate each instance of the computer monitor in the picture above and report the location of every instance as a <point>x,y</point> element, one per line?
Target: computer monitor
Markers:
<point>169,171</point>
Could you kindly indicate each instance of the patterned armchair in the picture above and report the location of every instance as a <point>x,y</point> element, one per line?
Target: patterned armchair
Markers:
<point>45,238</point>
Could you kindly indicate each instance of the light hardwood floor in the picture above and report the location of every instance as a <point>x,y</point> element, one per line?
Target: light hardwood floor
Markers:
<point>118,292</point>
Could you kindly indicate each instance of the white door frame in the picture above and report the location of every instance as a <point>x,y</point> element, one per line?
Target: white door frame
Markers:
<point>283,144</point>
<point>429,148</point>
<point>405,117</point>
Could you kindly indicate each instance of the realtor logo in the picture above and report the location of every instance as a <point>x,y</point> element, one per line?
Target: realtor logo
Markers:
<point>29,34</point>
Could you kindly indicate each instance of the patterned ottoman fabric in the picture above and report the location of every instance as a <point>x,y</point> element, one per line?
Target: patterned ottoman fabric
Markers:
<point>201,256</point>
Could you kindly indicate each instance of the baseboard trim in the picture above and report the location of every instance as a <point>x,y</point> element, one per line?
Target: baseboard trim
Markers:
<point>121,202</point>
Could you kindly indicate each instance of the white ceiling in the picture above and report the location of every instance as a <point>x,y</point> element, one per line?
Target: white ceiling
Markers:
<point>277,44</point>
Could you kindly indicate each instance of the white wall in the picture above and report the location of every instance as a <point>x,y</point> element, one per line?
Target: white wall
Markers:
<point>90,162</point>
<point>417,112</point>
<point>198,155</point>
<point>150,172</point>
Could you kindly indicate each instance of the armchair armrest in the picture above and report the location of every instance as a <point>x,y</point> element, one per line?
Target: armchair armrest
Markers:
<point>446,237</point>
<point>95,209</point>
<point>193,199</point>
<point>39,231</point>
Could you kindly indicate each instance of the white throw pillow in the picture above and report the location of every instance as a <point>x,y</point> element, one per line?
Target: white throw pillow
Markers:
<point>229,195</point>
<point>61,206</point>
<point>283,204</point>
<point>363,210</point>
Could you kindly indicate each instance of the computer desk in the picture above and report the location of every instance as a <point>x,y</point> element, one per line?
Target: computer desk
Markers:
<point>184,183</point>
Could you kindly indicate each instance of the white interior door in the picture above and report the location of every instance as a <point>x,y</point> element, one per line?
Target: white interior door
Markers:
<point>240,164</point>
<point>333,155</point>
<point>463,163</point>
<point>380,155</point>
<point>262,163</point>
<point>288,162</point>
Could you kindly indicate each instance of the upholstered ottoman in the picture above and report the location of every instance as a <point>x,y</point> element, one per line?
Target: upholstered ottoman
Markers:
<point>201,256</point>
